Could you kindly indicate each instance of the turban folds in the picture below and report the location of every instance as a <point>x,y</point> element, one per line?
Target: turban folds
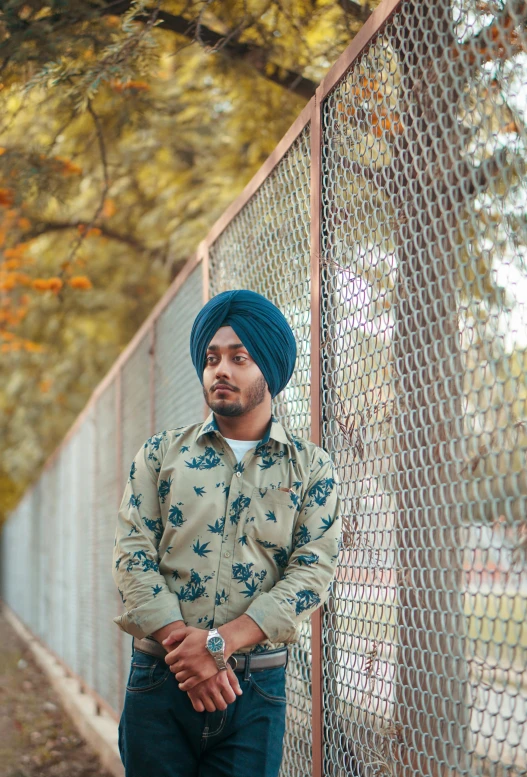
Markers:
<point>261,327</point>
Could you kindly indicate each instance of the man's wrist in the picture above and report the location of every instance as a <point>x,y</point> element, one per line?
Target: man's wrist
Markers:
<point>160,634</point>
<point>239,633</point>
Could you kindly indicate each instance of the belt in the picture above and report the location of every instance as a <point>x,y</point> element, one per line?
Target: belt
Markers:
<point>238,661</point>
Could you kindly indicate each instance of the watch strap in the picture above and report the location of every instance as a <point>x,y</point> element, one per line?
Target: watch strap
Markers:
<point>217,655</point>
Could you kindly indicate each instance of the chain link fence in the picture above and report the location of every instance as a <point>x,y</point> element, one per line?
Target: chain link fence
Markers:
<point>391,221</point>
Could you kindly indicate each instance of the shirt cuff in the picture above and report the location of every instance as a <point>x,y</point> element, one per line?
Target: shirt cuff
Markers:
<point>144,620</point>
<point>273,619</point>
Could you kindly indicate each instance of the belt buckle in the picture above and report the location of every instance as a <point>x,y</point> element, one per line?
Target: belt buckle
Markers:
<point>233,662</point>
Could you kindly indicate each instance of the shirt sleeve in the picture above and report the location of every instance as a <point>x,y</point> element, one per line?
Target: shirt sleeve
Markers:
<point>306,581</point>
<point>149,603</point>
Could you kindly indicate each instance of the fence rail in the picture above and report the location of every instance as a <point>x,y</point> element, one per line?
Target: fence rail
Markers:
<point>390,227</point>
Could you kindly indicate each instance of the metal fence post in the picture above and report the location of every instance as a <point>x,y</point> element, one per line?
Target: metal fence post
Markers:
<point>316,619</point>
<point>203,256</point>
<point>152,377</point>
<point>95,535</point>
<point>120,486</point>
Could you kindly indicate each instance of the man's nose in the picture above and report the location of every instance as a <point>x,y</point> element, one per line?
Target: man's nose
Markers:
<point>222,369</point>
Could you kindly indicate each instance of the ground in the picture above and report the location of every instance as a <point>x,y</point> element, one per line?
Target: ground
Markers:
<point>37,739</point>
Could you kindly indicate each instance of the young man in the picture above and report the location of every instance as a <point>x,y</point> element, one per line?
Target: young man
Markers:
<point>227,539</point>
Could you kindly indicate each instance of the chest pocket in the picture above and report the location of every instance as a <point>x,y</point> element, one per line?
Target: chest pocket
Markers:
<point>270,521</point>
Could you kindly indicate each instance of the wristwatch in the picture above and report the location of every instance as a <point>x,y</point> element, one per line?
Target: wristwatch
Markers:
<point>216,646</point>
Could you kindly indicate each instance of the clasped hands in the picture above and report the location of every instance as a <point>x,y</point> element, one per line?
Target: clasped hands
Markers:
<point>196,672</point>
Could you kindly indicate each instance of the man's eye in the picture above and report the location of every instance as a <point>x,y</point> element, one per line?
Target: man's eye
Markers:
<point>240,357</point>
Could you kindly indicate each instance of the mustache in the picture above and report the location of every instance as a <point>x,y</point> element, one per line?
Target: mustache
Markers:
<point>222,384</point>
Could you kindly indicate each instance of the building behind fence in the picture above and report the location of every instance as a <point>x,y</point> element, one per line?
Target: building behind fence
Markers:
<point>390,226</point>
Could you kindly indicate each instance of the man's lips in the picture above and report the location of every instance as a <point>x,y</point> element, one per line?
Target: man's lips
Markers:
<point>223,387</point>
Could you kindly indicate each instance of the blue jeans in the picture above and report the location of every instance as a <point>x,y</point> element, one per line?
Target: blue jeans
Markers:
<point>161,735</point>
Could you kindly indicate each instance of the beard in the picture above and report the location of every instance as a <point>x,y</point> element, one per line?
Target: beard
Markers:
<point>230,408</point>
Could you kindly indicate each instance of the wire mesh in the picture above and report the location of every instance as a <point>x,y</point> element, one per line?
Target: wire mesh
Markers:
<point>178,396</point>
<point>52,626</point>
<point>134,423</point>
<point>85,551</point>
<point>266,248</point>
<point>424,395</point>
<point>105,638</point>
<point>68,648</point>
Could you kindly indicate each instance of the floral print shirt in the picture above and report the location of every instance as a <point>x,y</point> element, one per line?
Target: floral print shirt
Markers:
<point>204,539</point>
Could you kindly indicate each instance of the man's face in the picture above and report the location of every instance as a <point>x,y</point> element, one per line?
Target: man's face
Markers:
<point>232,382</point>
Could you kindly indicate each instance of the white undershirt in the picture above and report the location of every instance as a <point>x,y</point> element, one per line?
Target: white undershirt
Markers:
<point>240,447</point>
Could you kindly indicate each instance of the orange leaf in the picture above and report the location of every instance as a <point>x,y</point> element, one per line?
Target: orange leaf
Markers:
<point>17,252</point>
<point>6,198</point>
<point>55,284</point>
<point>68,167</point>
<point>80,282</point>
<point>34,347</point>
<point>23,279</point>
<point>8,284</point>
<point>109,208</point>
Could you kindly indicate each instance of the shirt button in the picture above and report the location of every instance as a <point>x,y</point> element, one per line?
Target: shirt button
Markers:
<point>238,474</point>
<point>227,554</point>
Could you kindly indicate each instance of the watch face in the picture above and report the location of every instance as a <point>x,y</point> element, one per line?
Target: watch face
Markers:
<point>215,644</point>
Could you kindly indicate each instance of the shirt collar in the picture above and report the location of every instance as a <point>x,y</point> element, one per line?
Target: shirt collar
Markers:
<point>275,431</point>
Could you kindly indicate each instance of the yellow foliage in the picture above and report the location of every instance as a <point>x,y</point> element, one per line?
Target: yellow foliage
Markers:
<point>45,385</point>
<point>2,151</point>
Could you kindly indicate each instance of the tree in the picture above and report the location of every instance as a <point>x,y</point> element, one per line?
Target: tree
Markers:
<point>126,130</point>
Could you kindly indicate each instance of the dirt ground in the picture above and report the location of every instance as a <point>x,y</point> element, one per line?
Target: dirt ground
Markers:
<point>37,739</point>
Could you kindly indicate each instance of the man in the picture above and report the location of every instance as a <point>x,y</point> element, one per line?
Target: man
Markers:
<point>226,540</point>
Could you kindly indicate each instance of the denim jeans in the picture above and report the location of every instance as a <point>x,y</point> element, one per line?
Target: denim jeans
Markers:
<point>161,735</point>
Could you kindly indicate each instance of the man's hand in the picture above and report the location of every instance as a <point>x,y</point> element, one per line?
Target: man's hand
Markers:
<point>191,662</point>
<point>216,692</point>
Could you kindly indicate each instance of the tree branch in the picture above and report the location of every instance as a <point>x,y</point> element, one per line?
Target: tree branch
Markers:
<point>44,227</point>
<point>228,46</point>
<point>358,11</point>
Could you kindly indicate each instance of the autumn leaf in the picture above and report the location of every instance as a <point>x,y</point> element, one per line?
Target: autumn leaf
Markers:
<point>80,282</point>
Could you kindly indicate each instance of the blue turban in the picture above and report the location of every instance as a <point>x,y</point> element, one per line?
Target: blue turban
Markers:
<point>261,327</point>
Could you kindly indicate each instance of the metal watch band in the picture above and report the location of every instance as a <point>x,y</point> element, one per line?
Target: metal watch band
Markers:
<point>217,655</point>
